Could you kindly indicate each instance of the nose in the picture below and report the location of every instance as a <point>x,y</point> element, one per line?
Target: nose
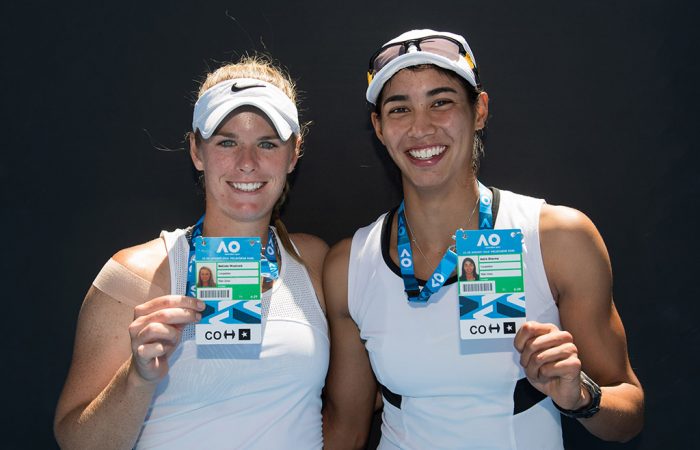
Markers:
<point>421,124</point>
<point>247,159</point>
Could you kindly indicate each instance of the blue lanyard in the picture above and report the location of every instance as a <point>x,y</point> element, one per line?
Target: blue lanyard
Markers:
<point>447,263</point>
<point>268,261</point>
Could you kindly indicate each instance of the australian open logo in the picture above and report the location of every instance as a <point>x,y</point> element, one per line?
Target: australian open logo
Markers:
<point>405,258</point>
<point>402,230</point>
<point>437,280</point>
<point>493,240</point>
<point>231,247</point>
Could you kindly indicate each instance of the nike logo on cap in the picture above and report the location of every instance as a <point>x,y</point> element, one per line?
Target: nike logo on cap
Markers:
<point>237,89</point>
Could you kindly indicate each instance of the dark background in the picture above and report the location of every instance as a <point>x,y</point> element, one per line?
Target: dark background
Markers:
<point>594,105</point>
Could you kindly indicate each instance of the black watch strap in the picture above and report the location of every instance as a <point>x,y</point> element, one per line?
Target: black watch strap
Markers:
<point>588,411</point>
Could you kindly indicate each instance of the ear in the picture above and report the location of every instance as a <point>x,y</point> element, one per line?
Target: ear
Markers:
<point>194,152</point>
<point>482,111</point>
<point>377,124</point>
<point>295,154</point>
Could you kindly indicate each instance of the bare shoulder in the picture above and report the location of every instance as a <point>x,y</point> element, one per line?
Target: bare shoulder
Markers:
<point>565,229</point>
<point>335,278</point>
<point>149,261</point>
<point>563,219</point>
<point>312,248</point>
<point>572,249</point>
<point>338,258</point>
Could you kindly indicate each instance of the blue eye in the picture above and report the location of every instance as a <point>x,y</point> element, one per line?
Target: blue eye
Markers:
<point>227,143</point>
<point>267,145</point>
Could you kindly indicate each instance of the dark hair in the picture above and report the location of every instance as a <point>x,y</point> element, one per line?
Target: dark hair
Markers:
<point>463,276</point>
<point>472,98</point>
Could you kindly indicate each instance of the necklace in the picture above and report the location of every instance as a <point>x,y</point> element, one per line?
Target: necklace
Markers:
<point>413,235</point>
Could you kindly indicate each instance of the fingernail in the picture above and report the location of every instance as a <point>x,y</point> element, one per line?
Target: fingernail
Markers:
<point>200,304</point>
<point>198,317</point>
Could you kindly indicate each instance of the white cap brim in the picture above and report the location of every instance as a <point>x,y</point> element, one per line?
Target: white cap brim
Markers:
<point>460,66</point>
<point>220,100</point>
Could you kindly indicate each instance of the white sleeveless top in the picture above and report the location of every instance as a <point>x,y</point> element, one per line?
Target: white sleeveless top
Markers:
<point>441,392</point>
<point>265,396</point>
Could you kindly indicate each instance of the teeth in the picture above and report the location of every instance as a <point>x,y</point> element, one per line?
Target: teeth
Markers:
<point>248,187</point>
<point>427,153</point>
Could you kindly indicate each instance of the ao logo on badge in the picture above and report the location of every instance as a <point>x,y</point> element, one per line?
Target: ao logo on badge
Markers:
<point>233,247</point>
<point>492,240</point>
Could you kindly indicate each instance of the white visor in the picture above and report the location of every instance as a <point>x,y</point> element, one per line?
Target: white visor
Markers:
<point>460,65</point>
<point>222,98</point>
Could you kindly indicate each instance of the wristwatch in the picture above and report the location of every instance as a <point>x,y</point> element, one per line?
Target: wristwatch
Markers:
<point>587,411</point>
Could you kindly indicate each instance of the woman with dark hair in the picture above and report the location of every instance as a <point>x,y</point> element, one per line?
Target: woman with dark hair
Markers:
<point>138,378</point>
<point>468,270</point>
<point>396,317</point>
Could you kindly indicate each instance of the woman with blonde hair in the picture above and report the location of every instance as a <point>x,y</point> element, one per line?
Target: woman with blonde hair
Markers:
<point>138,378</point>
<point>205,277</point>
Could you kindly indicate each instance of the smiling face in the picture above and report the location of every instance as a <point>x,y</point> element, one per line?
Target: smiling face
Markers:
<point>204,276</point>
<point>468,267</point>
<point>427,124</point>
<point>245,166</point>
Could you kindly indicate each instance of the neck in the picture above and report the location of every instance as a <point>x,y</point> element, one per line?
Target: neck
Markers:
<point>435,216</point>
<point>214,225</point>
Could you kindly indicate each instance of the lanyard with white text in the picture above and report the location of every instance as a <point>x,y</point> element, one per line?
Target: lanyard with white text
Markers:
<point>447,263</point>
<point>268,260</point>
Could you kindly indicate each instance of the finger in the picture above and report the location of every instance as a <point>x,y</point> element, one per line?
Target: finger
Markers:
<point>530,330</point>
<point>553,354</point>
<point>566,369</point>
<point>166,302</point>
<point>540,343</point>
<point>173,318</point>
<point>157,332</point>
<point>564,356</point>
<point>148,352</point>
<point>552,339</point>
<point>169,316</point>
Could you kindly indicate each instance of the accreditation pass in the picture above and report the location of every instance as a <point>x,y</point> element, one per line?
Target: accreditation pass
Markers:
<point>227,273</point>
<point>491,285</point>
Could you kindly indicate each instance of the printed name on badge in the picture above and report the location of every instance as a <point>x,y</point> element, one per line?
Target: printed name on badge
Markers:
<point>228,281</point>
<point>491,285</point>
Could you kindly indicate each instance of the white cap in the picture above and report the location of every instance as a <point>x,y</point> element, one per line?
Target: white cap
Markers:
<point>462,66</point>
<point>222,98</point>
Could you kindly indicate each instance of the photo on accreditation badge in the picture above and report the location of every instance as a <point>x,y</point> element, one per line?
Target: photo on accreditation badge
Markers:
<point>206,275</point>
<point>469,270</point>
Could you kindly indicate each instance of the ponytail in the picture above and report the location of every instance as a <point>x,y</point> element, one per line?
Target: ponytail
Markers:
<point>281,229</point>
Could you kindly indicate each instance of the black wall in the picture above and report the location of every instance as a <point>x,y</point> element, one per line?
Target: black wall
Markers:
<point>594,105</point>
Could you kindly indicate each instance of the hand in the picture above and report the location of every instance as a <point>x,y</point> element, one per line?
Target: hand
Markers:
<point>155,332</point>
<point>551,363</point>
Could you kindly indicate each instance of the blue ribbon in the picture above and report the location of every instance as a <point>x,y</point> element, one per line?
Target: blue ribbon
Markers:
<point>269,268</point>
<point>448,262</point>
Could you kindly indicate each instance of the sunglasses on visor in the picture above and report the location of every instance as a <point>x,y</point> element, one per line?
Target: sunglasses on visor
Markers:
<point>439,45</point>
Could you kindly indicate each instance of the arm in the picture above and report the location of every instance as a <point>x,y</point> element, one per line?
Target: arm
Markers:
<point>351,388</point>
<point>580,277</point>
<point>120,354</point>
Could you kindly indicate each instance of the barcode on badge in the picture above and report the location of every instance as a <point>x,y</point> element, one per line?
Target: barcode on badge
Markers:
<point>214,293</point>
<point>482,287</point>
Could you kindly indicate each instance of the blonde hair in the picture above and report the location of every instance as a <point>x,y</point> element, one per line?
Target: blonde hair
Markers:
<point>265,69</point>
